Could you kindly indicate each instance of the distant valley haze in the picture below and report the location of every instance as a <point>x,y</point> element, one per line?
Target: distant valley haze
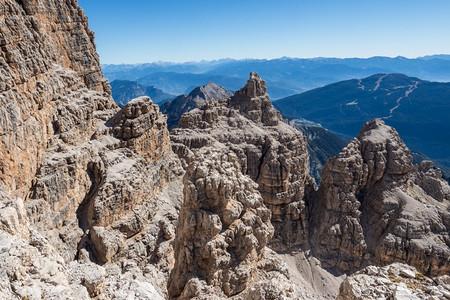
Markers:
<point>284,76</point>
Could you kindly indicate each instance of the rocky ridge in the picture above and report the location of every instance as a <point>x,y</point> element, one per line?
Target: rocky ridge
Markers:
<point>246,170</point>
<point>270,152</point>
<point>364,210</point>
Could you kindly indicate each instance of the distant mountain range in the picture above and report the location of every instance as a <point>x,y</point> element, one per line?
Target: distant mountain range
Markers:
<point>124,90</point>
<point>284,76</point>
<point>183,83</point>
<point>437,56</point>
<point>418,109</point>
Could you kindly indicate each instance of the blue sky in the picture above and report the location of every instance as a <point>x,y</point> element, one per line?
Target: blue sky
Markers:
<point>136,31</point>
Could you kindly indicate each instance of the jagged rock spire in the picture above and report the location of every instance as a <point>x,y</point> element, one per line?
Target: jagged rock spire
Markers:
<point>265,163</point>
<point>255,87</point>
<point>372,200</point>
<point>253,102</point>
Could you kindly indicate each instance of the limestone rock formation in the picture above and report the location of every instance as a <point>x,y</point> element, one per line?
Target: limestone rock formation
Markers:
<point>222,234</point>
<point>269,151</point>
<point>46,55</point>
<point>31,267</point>
<point>430,180</point>
<point>99,202</point>
<point>370,210</point>
<point>253,102</point>
<point>396,281</point>
<point>85,186</point>
<point>106,197</point>
<point>181,104</point>
<point>246,170</point>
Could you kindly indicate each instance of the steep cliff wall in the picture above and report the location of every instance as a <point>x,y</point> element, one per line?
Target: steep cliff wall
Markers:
<point>47,53</point>
<point>100,186</point>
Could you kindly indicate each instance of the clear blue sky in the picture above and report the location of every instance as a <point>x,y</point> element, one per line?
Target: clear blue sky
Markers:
<point>135,31</point>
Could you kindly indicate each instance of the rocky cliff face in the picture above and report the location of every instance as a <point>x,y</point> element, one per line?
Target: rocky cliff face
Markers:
<point>41,42</point>
<point>100,186</point>
<point>181,104</point>
<point>374,208</point>
<point>99,202</point>
<point>222,234</point>
<point>47,54</point>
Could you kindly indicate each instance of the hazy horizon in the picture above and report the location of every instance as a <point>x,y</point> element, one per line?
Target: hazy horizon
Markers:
<point>177,31</point>
<point>268,59</point>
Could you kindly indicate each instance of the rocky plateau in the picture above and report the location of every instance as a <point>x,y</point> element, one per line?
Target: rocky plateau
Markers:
<point>99,202</point>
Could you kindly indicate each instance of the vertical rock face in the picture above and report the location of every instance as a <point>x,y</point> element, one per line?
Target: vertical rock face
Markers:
<point>40,42</point>
<point>63,28</point>
<point>223,230</point>
<point>370,210</point>
<point>100,185</point>
<point>338,229</point>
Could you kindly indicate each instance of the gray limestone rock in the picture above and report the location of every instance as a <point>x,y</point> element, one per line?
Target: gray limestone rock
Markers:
<point>222,233</point>
<point>430,180</point>
<point>269,151</point>
<point>95,202</point>
<point>370,209</point>
<point>95,180</point>
<point>395,281</point>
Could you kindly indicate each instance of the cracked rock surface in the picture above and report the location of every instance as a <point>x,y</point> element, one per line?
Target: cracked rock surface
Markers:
<point>98,202</point>
<point>270,152</point>
<point>374,207</point>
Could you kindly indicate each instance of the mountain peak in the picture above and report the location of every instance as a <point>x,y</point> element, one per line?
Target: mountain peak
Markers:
<point>378,192</point>
<point>375,126</point>
<point>211,84</point>
<point>376,138</point>
<point>209,91</point>
<point>254,103</point>
<point>255,87</point>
